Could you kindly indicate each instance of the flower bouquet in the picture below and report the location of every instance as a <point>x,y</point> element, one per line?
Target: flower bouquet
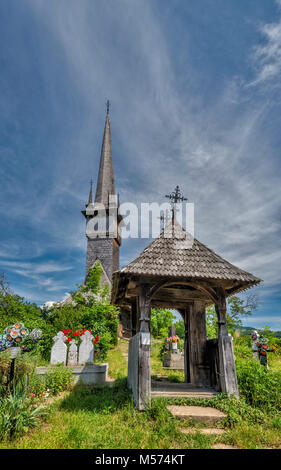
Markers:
<point>35,335</point>
<point>173,340</point>
<point>16,334</point>
<point>72,334</point>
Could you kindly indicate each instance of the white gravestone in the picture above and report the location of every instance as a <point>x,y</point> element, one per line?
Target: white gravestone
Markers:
<point>72,353</point>
<point>59,349</point>
<point>86,349</point>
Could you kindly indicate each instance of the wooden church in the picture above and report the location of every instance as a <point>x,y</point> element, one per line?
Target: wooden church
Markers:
<point>171,272</point>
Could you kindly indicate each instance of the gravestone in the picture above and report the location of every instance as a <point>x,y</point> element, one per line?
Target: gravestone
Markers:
<point>172,358</point>
<point>59,349</point>
<point>72,353</point>
<point>86,349</point>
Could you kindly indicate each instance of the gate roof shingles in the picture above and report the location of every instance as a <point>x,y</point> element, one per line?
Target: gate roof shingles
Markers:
<point>173,254</point>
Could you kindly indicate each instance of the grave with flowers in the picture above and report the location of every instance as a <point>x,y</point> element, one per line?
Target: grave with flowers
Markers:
<point>75,349</point>
<point>172,358</point>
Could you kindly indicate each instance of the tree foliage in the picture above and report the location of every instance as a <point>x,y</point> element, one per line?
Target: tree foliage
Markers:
<point>237,308</point>
<point>161,320</point>
<point>14,308</point>
<point>180,329</point>
<point>89,308</point>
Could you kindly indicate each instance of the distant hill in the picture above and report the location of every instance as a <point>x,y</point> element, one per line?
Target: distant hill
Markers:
<point>247,330</point>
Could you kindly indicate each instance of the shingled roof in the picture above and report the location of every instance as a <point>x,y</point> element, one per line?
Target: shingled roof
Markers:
<point>176,254</point>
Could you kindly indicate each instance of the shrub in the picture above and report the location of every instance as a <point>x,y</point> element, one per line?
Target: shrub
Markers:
<point>103,345</point>
<point>37,385</point>
<point>58,379</point>
<point>260,387</point>
<point>24,367</point>
<point>5,362</point>
<point>242,347</point>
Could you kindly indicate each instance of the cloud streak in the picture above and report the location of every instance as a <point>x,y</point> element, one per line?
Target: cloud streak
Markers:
<point>267,56</point>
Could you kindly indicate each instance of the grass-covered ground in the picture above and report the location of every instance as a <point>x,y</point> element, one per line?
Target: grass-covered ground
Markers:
<point>104,417</point>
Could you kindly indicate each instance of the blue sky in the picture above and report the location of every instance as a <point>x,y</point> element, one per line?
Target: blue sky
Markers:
<point>195,93</point>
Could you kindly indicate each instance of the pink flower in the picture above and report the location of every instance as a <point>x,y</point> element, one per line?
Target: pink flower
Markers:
<point>32,395</point>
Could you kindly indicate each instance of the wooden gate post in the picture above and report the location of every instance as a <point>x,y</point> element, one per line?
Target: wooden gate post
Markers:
<point>227,370</point>
<point>144,379</point>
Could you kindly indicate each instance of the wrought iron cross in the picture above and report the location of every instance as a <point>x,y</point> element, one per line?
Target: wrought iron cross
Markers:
<point>175,197</point>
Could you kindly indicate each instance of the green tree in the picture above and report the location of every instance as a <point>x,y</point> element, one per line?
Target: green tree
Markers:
<point>14,308</point>
<point>180,329</point>
<point>211,322</point>
<point>237,308</point>
<point>161,319</point>
<point>240,308</point>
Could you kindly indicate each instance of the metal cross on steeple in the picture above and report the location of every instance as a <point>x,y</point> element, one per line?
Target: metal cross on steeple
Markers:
<point>175,197</point>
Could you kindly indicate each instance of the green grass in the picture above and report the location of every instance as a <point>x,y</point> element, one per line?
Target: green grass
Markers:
<point>118,365</point>
<point>156,365</point>
<point>104,418</point>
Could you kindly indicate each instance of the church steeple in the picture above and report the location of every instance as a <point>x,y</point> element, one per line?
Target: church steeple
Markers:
<point>105,184</point>
<point>103,238</point>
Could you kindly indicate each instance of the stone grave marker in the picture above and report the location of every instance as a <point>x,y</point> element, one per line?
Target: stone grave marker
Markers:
<point>72,353</point>
<point>86,349</point>
<point>59,349</point>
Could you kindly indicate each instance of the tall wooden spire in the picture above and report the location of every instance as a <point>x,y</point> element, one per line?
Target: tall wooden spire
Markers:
<point>103,238</point>
<point>105,184</point>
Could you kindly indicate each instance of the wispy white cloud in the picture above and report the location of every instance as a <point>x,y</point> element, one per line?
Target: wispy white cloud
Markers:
<point>267,56</point>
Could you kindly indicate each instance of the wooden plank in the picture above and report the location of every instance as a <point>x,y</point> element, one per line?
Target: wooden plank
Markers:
<point>133,366</point>
<point>144,372</point>
<point>144,392</point>
<point>227,372</point>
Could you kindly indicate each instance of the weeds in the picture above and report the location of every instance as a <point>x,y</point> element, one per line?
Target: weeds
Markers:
<point>18,413</point>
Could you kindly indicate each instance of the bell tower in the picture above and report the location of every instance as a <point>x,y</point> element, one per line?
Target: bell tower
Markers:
<point>102,215</point>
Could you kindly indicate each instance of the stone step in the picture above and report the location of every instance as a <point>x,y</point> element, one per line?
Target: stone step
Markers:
<point>215,431</point>
<point>188,394</point>
<point>197,413</point>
